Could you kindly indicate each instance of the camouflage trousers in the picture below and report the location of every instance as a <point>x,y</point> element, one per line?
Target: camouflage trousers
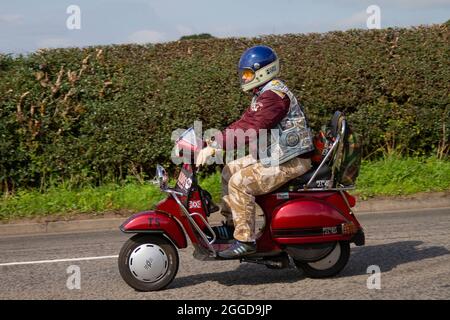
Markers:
<point>245,178</point>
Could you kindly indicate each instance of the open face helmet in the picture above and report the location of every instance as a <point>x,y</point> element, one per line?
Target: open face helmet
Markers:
<point>257,66</point>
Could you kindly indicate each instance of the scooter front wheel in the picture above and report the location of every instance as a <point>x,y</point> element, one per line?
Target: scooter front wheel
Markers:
<point>148,262</point>
<point>328,266</point>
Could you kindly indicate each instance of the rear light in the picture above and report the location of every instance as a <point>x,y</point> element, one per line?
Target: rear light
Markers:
<point>349,228</point>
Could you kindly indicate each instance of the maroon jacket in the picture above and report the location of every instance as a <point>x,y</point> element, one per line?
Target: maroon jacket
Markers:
<point>267,112</point>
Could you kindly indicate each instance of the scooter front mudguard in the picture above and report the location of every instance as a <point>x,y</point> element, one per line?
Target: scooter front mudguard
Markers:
<point>158,223</point>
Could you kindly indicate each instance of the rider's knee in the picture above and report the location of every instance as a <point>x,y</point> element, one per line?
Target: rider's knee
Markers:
<point>235,181</point>
<point>239,182</point>
<point>226,173</point>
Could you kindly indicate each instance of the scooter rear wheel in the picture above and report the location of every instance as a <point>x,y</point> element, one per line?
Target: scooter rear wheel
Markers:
<point>328,266</point>
<point>148,262</point>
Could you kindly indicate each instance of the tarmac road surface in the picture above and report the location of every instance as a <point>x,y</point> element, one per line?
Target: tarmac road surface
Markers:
<point>412,250</point>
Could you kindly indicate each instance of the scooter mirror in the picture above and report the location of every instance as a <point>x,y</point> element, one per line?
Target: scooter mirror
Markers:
<point>161,177</point>
<point>188,141</point>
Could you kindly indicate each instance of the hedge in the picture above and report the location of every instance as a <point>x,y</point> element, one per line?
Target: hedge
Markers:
<point>95,114</point>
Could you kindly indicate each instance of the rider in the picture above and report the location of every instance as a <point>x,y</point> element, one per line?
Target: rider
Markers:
<point>272,105</point>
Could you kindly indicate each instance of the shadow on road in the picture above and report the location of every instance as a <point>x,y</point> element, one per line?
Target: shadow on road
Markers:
<point>386,256</point>
<point>245,274</point>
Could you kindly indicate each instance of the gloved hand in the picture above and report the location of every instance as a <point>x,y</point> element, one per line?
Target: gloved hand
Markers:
<point>204,154</point>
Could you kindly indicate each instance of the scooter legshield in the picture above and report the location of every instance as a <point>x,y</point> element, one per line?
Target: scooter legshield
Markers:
<point>308,221</point>
<point>156,222</point>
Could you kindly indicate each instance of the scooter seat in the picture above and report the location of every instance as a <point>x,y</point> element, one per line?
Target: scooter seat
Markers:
<point>322,180</point>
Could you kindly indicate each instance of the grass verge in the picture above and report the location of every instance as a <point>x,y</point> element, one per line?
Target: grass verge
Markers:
<point>394,176</point>
<point>391,176</point>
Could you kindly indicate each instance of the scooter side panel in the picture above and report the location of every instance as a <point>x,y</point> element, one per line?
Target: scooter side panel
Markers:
<point>157,222</point>
<point>306,221</point>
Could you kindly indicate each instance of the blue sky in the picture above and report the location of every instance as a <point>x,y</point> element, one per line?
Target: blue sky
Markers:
<point>28,25</point>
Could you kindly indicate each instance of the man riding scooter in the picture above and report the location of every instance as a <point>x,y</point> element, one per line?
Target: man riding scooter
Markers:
<point>307,219</point>
<point>273,106</point>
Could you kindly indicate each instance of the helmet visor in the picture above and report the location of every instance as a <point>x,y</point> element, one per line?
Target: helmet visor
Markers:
<point>246,75</point>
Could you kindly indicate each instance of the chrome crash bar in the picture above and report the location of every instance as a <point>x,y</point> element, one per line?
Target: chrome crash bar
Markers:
<point>189,216</point>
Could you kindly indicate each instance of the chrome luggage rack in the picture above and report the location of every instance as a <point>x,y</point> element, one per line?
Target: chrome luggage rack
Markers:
<point>339,135</point>
<point>340,188</point>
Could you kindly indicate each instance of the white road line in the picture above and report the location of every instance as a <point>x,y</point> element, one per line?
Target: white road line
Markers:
<point>400,211</point>
<point>56,260</point>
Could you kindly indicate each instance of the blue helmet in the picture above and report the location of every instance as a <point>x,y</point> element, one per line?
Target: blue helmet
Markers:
<point>257,66</point>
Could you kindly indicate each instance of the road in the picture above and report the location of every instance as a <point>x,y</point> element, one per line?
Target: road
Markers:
<point>412,250</point>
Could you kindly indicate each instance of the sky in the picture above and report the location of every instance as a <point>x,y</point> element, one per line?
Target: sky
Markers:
<point>27,25</point>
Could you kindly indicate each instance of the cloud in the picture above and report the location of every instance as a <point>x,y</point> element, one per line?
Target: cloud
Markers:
<point>405,4</point>
<point>55,42</point>
<point>355,20</point>
<point>11,19</point>
<point>184,30</point>
<point>420,3</point>
<point>146,36</point>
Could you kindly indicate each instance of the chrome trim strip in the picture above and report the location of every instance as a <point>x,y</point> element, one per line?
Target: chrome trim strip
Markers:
<point>324,189</point>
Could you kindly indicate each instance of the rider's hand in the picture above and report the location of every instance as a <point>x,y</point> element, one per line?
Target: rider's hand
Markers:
<point>204,154</point>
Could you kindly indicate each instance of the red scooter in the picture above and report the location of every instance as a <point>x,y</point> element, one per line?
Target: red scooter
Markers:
<point>308,221</point>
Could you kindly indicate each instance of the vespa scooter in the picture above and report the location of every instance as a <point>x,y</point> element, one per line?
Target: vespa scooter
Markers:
<point>308,222</point>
